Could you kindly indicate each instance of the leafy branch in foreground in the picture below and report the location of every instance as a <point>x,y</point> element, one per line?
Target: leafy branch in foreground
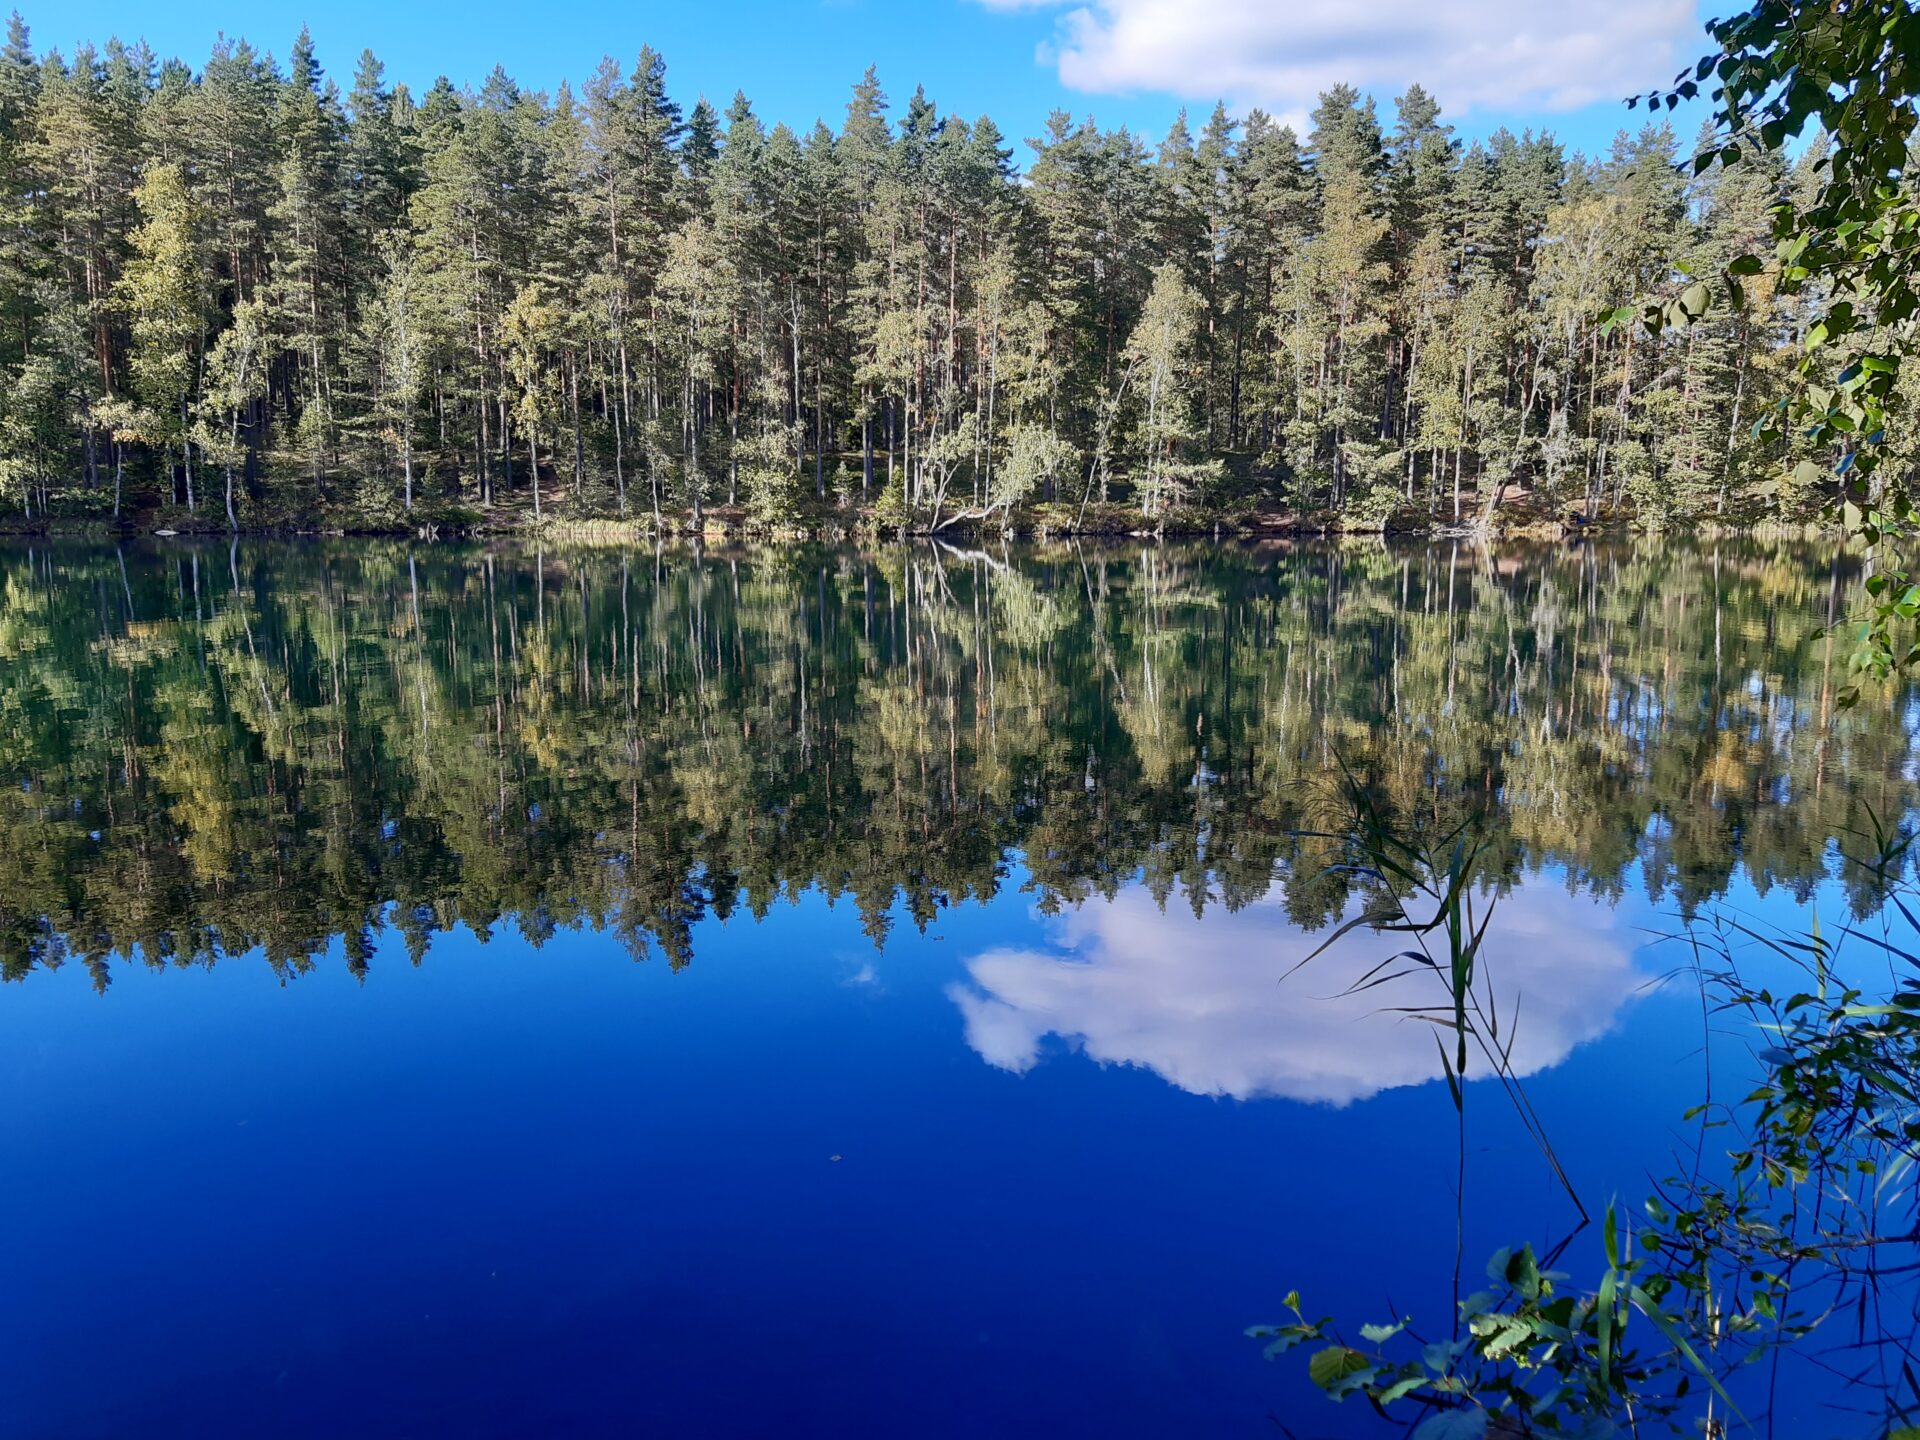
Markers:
<point>1535,1358</point>
<point>1798,1209</point>
<point>1850,71</point>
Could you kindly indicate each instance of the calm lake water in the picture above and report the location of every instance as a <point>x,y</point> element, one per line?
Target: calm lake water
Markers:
<point>509,993</point>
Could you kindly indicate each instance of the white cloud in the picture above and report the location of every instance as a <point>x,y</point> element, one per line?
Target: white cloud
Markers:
<point>1203,1005</point>
<point>1469,54</point>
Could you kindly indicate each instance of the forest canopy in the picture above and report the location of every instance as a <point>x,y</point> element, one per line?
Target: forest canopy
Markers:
<point>243,295</point>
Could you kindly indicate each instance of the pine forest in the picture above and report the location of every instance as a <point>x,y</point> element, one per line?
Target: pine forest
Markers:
<point>246,296</point>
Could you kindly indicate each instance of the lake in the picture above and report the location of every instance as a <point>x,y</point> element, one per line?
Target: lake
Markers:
<point>507,992</point>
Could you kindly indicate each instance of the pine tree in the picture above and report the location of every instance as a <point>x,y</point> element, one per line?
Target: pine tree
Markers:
<point>309,241</point>
<point>21,258</point>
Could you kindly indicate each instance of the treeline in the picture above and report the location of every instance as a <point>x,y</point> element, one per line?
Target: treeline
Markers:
<point>212,747</point>
<point>241,293</point>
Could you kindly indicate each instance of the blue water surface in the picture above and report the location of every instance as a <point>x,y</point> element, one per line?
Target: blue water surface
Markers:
<point>306,1137</point>
<point>802,1187</point>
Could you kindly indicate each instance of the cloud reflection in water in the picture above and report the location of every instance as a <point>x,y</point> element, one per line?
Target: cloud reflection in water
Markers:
<point>1203,1006</point>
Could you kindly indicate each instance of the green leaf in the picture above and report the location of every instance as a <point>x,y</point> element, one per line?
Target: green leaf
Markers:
<point>1284,1340</point>
<point>1664,1323</point>
<point>1334,1365</point>
<point>1379,1334</point>
<point>1400,1389</point>
<point>1523,1273</point>
<point>1508,1335</point>
<point>1603,1321</point>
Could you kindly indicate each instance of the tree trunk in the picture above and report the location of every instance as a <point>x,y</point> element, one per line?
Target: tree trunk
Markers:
<point>533,465</point>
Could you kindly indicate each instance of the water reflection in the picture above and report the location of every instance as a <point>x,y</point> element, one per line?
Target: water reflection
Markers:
<point>1090,771</point>
<point>215,749</point>
<point>1197,1002</point>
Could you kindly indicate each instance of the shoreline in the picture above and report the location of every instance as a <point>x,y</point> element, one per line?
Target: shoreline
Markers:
<point>732,527</point>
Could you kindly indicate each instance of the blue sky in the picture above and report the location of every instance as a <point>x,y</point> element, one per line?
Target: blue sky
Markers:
<point>1490,62</point>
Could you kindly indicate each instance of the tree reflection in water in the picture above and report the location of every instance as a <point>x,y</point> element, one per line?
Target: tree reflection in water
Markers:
<point>214,749</point>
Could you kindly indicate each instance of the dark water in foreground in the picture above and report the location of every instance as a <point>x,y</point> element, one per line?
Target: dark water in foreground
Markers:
<point>825,993</point>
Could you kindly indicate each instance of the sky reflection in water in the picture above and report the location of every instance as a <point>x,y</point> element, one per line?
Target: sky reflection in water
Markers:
<point>935,1108</point>
<point>779,1192</point>
<point>1198,1001</point>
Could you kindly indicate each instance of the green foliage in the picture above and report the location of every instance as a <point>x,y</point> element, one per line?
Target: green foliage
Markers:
<point>1530,1354</point>
<point>1035,458</point>
<point>1809,1219</point>
<point>1373,509</point>
<point>1846,240</point>
<point>597,303</point>
<point>1160,355</point>
<point>769,473</point>
<point>163,293</point>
